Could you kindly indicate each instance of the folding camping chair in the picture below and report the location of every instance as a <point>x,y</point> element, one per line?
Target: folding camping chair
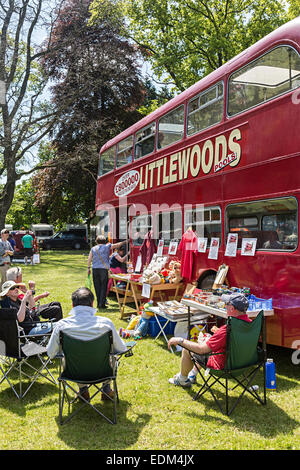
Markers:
<point>244,359</point>
<point>89,363</point>
<point>19,352</point>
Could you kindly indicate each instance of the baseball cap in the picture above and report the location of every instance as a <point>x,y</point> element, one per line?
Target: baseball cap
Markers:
<point>6,286</point>
<point>239,301</point>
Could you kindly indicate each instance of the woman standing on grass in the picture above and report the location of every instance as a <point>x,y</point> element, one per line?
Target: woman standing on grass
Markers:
<point>99,260</point>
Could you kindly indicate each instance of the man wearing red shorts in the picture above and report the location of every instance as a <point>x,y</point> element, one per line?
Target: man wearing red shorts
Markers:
<point>236,305</point>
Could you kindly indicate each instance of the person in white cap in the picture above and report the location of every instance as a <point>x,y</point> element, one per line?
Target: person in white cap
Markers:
<point>210,354</point>
<point>5,252</point>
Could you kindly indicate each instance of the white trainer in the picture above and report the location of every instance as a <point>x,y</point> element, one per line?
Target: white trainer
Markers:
<point>176,381</point>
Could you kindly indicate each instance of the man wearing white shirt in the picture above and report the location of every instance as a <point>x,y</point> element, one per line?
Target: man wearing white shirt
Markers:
<point>83,323</point>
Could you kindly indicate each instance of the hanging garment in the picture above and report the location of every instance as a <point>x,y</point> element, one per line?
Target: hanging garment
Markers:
<point>188,248</point>
<point>147,249</point>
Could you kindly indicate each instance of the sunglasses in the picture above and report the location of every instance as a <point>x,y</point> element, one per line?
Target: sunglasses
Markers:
<point>13,288</point>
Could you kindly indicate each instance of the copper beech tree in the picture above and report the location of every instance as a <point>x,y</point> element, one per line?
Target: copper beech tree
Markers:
<point>96,84</point>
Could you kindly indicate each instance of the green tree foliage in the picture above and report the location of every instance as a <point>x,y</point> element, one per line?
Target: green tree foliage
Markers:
<point>154,98</point>
<point>97,85</point>
<point>294,8</point>
<point>25,116</point>
<point>185,40</point>
<point>23,212</point>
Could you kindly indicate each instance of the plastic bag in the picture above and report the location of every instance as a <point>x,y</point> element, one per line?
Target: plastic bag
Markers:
<point>88,282</point>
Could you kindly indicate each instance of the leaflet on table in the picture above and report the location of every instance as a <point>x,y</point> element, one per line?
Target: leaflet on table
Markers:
<point>248,246</point>
<point>214,248</point>
<point>231,246</point>
<point>146,290</point>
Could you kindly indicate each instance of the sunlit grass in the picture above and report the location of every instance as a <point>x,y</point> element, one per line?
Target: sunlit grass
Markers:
<point>151,414</point>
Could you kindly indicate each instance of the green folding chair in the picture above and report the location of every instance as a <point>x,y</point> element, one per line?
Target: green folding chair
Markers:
<point>244,359</point>
<point>87,363</point>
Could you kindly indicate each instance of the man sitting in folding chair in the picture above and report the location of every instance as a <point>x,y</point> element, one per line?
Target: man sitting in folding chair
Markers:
<point>212,353</point>
<point>83,324</point>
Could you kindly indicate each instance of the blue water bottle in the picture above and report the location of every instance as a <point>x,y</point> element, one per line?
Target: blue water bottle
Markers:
<point>270,375</point>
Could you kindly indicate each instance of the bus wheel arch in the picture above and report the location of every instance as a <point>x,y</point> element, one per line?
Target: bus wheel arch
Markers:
<point>206,279</point>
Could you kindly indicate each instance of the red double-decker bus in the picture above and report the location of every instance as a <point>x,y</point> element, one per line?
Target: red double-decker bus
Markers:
<point>221,157</point>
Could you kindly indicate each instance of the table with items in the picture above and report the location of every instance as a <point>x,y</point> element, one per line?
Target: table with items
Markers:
<point>136,291</point>
<point>203,309</point>
<point>176,312</point>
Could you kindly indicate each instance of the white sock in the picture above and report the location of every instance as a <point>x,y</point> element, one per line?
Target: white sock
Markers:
<point>182,378</point>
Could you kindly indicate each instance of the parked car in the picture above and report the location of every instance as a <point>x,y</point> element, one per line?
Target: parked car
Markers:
<point>75,239</point>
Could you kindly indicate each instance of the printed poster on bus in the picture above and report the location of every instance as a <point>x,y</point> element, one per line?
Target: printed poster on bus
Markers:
<point>232,242</point>
<point>173,248</point>
<point>248,246</point>
<point>138,265</point>
<point>202,245</point>
<point>214,248</point>
<point>160,247</point>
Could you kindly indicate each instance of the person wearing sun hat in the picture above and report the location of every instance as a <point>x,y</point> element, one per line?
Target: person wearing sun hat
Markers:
<point>7,286</point>
<point>27,318</point>
<point>236,306</point>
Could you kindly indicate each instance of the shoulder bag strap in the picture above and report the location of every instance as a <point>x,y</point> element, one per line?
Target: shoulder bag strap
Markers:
<point>103,262</point>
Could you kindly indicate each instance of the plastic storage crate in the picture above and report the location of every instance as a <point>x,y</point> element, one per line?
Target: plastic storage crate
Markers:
<point>255,303</point>
<point>154,328</point>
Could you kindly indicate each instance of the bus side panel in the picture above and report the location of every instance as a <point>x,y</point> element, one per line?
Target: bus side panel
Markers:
<point>274,274</point>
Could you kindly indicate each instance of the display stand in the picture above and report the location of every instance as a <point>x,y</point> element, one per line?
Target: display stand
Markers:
<point>221,276</point>
<point>133,293</point>
<point>124,296</point>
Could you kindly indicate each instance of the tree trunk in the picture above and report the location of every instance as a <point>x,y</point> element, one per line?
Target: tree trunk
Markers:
<point>6,200</point>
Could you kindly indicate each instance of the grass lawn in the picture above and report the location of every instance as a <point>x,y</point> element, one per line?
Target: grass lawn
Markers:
<point>152,414</point>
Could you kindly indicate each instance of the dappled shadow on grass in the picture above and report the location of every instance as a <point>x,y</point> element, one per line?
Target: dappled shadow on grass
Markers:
<point>37,393</point>
<point>88,430</point>
<point>287,373</point>
<point>268,420</point>
<point>34,399</point>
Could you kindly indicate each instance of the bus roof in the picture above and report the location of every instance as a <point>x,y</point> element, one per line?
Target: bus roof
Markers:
<point>288,32</point>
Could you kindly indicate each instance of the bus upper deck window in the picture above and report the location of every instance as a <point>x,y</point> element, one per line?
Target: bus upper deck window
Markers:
<point>125,151</point>
<point>107,161</point>
<point>271,75</point>
<point>171,127</point>
<point>144,141</point>
<point>206,109</point>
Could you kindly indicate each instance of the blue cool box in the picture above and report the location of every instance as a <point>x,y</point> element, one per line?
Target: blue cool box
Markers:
<point>154,328</point>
